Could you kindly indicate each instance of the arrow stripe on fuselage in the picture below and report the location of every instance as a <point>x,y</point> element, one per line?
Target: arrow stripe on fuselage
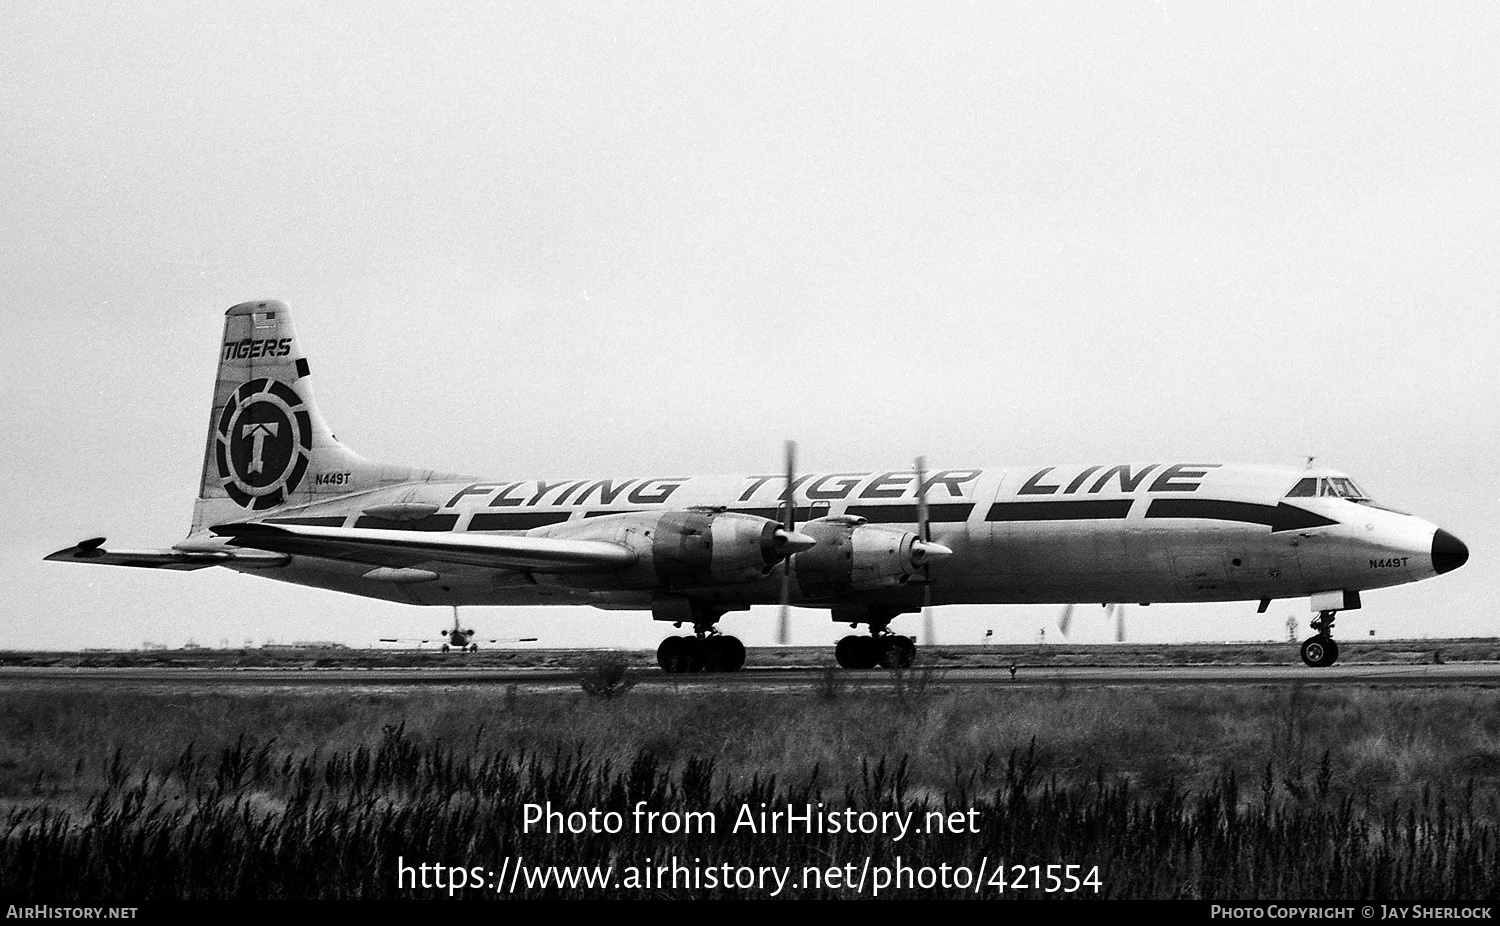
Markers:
<point>907,514</point>
<point>516,520</point>
<point>435,522</point>
<point>1075,510</point>
<point>1279,517</point>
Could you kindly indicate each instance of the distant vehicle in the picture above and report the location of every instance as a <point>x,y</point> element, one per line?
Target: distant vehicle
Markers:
<point>280,496</point>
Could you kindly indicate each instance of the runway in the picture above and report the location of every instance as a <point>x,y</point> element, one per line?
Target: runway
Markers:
<point>1485,674</point>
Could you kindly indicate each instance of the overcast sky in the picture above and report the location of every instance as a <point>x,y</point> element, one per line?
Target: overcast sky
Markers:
<point>614,239</point>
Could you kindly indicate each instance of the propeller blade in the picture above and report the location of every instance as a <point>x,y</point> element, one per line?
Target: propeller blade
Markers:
<point>784,620</point>
<point>1065,619</point>
<point>929,629</point>
<point>789,513</point>
<point>788,535</point>
<point>924,529</point>
<point>1119,623</point>
<point>924,551</point>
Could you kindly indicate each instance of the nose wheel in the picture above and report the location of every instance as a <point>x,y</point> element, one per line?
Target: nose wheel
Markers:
<point>1320,651</point>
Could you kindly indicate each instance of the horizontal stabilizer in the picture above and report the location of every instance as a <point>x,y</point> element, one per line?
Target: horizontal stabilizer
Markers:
<point>92,551</point>
<point>409,548</point>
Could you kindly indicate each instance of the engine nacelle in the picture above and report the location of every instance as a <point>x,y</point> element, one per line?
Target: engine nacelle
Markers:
<point>852,556</point>
<point>688,548</point>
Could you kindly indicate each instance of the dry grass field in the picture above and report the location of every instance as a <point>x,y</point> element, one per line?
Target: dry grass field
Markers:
<point>1218,794</point>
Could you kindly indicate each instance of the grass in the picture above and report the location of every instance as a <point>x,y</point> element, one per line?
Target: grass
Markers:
<point>1249,793</point>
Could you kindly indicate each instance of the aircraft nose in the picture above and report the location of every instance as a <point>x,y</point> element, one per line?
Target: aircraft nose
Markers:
<point>1448,552</point>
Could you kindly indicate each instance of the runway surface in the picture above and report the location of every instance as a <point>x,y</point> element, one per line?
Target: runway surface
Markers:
<point>766,679</point>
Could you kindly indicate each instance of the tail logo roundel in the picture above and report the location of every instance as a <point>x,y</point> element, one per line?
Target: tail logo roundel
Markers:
<point>262,443</point>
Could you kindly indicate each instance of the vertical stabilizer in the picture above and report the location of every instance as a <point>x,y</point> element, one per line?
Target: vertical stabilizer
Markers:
<point>268,446</point>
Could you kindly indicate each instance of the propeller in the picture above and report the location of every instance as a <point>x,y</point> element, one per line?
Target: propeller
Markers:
<point>924,536</point>
<point>789,524</point>
<point>1115,612</point>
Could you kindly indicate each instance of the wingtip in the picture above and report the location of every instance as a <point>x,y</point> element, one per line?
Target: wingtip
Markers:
<point>83,549</point>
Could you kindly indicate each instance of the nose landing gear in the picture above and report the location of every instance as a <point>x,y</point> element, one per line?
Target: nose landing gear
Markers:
<point>1320,651</point>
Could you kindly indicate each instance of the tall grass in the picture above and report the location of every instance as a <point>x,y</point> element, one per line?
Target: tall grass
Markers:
<point>1254,795</point>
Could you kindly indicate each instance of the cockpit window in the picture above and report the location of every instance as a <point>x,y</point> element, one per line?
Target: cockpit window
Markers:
<point>1343,487</point>
<point>1328,487</point>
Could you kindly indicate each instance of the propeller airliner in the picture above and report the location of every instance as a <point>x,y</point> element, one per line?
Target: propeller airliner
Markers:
<point>281,497</point>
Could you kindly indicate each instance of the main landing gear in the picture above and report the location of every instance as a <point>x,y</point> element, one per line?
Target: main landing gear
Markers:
<point>1320,651</point>
<point>888,650</point>
<point>881,648</point>
<point>705,650</point>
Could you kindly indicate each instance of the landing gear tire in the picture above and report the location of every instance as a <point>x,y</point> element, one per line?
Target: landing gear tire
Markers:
<point>856,652</point>
<point>896,652</point>
<point>717,653</point>
<point>693,654</point>
<point>672,656</point>
<point>1320,651</point>
<point>843,651</point>
<point>723,654</point>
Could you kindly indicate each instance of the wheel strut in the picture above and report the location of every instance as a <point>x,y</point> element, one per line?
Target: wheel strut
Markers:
<point>1323,623</point>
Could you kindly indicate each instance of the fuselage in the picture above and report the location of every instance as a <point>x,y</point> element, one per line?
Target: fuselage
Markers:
<point>1152,532</point>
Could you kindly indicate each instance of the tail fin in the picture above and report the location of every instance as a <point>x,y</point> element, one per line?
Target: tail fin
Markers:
<point>268,446</point>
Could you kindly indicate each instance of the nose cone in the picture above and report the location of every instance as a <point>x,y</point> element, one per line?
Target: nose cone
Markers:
<point>1448,552</point>
<point>790,542</point>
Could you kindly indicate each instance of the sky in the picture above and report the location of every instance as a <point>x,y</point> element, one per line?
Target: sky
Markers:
<point>615,239</point>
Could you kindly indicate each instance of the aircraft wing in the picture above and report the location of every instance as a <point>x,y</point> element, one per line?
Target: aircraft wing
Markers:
<point>413,548</point>
<point>92,551</point>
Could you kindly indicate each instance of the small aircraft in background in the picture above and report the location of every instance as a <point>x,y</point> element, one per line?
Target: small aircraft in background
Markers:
<point>455,639</point>
<point>281,497</point>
